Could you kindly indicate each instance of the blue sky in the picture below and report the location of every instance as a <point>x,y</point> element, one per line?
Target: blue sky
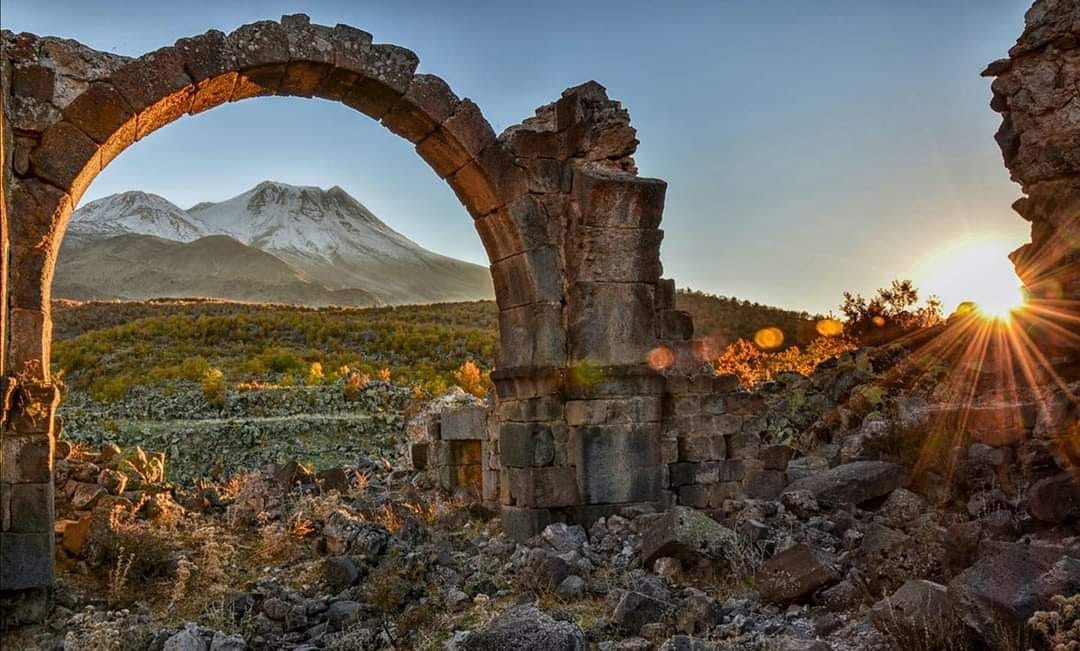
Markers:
<point>809,147</point>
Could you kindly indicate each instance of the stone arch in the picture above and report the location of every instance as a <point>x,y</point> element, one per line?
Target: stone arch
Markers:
<point>134,98</point>
<point>571,231</point>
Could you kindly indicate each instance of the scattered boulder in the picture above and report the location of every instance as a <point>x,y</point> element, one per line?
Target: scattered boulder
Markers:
<point>527,628</point>
<point>855,483</point>
<point>648,603</point>
<point>919,609</point>
<point>1054,499</point>
<point>565,538</point>
<point>342,614</point>
<point>188,639</point>
<point>340,572</point>
<point>796,573</point>
<point>1009,583</point>
<point>688,535</point>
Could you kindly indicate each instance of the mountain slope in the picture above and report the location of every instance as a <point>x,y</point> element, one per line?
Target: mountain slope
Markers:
<point>325,235</point>
<point>135,212</point>
<point>137,267</point>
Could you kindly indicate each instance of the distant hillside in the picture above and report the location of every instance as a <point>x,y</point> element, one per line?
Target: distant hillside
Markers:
<point>139,267</point>
<point>733,318</point>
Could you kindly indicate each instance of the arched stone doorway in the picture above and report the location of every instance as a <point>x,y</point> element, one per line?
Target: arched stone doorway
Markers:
<point>571,231</point>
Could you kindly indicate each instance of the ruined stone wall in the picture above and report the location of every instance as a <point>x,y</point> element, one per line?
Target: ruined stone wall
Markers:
<point>1037,91</point>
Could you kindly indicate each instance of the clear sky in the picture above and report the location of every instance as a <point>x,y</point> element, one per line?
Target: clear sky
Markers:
<point>809,146</point>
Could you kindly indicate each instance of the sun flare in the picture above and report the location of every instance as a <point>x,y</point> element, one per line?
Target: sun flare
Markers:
<point>974,272</point>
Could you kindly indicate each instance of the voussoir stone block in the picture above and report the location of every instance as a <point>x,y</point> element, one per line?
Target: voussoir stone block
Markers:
<point>302,78</point>
<point>258,82</point>
<point>532,335</point>
<point>518,226</point>
<point>308,42</point>
<point>150,78</point>
<point>428,103</point>
<point>258,44</point>
<point>99,111</point>
<point>469,127</point>
<point>207,55</point>
<point>443,152</point>
<point>62,154</point>
<point>529,277</point>
<point>474,190</point>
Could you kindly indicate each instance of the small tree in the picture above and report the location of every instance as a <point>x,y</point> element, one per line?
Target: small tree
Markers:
<point>213,387</point>
<point>892,312</point>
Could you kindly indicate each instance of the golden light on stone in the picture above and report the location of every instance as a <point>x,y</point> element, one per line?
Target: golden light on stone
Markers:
<point>769,338</point>
<point>660,358</point>
<point>829,328</point>
<point>879,321</point>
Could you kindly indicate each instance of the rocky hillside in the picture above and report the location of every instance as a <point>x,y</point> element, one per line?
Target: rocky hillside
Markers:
<point>314,243</point>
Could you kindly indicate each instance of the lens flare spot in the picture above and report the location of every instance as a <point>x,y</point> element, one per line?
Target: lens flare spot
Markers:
<point>660,358</point>
<point>830,328</point>
<point>966,308</point>
<point>879,321</point>
<point>769,338</point>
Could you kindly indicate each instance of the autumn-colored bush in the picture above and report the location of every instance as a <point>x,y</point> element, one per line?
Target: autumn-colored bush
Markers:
<point>753,365</point>
<point>214,387</point>
<point>469,377</point>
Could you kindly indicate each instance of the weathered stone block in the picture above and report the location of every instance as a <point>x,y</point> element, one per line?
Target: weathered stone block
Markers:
<point>548,487</point>
<point>524,523</point>
<point>617,464</point>
<point>611,323</point>
<point>686,534</point>
<point>535,143</point>
<point>29,507</point>
<point>518,226</point>
<point>702,448</point>
<point>428,103</point>
<point>510,180</point>
<point>152,77</point>
<point>207,56</point>
<point>28,560</point>
<point>33,81</point>
<point>443,152</point>
<point>29,347</point>
<point>618,254</point>
<point>337,84</point>
<point>258,82</point>
<point>776,457</point>
<point>463,423</point>
<point>796,573</point>
<point>469,477</point>
<point>613,411</point>
<point>531,410</point>
<point>62,154</point>
<point>530,277</point>
<point>674,324</point>
<point>764,484</point>
<point>27,458</point>
<point>665,294</point>
<point>853,483</point>
<point>213,92</point>
<point>586,381</point>
<point>302,78</point>
<point>532,336</point>
<point>474,190</point>
<point>617,199</point>
<point>99,111</point>
<point>526,444</point>
<point>742,445</point>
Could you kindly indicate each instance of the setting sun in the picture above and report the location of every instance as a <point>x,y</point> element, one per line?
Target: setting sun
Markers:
<point>973,270</point>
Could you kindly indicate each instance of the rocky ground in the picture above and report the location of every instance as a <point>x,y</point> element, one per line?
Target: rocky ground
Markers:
<point>865,549</point>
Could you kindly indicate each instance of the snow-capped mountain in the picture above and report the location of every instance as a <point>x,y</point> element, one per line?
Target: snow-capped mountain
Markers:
<point>135,212</point>
<point>326,236</point>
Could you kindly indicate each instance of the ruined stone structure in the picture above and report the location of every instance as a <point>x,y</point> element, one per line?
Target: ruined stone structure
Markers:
<point>1037,91</point>
<point>604,400</point>
<point>571,231</point>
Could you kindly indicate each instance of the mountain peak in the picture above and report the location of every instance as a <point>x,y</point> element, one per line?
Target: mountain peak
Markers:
<point>135,212</point>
